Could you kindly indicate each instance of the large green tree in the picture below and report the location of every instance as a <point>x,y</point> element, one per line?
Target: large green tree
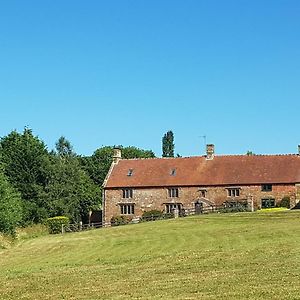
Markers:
<point>69,190</point>
<point>10,206</point>
<point>168,145</point>
<point>26,162</point>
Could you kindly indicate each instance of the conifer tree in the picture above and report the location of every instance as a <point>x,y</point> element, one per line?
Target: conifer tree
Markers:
<point>168,145</point>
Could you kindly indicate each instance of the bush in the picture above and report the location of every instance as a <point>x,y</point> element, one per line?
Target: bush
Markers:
<point>55,224</point>
<point>154,214</point>
<point>236,207</point>
<point>120,220</point>
<point>285,202</point>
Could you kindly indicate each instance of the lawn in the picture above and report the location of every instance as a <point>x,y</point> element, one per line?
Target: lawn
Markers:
<point>220,256</point>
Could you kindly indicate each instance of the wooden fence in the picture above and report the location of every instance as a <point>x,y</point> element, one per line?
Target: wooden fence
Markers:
<point>79,227</point>
<point>238,207</point>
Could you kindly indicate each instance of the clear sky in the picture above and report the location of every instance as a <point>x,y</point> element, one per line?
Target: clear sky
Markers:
<point>126,71</point>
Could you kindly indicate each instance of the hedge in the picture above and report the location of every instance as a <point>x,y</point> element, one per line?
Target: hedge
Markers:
<point>55,224</point>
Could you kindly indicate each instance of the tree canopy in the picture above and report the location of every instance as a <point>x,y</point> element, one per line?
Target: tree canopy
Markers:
<point>168,145</point>
<point>26,163</point>
<point>36,183</point>
<point>10,206</point>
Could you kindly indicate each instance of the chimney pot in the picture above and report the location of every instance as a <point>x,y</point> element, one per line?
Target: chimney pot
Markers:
<point>210,151</point>
<point>117,155</point>
<point>298,149</point>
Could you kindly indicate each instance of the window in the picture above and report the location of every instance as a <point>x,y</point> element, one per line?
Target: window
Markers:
<point>130,172</point>
<point>173,192</point>
<point>267,202</point>
<point>266,187</point>
<point>127,209</point>
<point>233,192</point>
<point>171,206</point>
<point>173,172</point>
<point>127,193</point>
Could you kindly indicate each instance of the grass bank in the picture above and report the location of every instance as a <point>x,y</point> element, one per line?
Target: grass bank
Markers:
<point>224,256</point>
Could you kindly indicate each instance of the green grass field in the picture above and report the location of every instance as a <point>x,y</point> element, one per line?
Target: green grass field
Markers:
<point>221,256</point>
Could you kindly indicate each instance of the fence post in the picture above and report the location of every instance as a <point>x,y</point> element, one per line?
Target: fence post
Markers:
<point>62,229</point>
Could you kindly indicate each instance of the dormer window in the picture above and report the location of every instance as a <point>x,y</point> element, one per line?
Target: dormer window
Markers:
<point>266,187</point>
<point>173,172</point>
<point>130,172</point>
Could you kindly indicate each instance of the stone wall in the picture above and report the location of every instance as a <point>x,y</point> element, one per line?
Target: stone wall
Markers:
<point>146,199</point>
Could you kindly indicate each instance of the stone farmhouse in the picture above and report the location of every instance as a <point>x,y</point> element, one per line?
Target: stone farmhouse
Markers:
<point>133,186</point>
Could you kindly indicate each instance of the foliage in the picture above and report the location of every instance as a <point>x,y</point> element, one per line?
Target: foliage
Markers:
<point>153,212</point>
<point>249,153</point>
<point>151,215</point>
<point>69,190</point>
<point>64,147</point>
<point>120,220</point>
<point>272,210</point>
<point>285,202</point>
<point>26,163</point>
<point>59,182</point>
<point>168,145</point>
<point>236,207</point>
<point>55,224</point>
<point>10,207</point>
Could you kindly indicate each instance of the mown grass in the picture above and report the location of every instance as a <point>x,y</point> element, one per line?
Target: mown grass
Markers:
<point>224,256</point>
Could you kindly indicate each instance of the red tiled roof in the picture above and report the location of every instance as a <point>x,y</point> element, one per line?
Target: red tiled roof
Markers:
<point>198,171</point>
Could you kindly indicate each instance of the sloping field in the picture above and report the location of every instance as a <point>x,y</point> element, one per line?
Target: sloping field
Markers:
<point>224,256</point>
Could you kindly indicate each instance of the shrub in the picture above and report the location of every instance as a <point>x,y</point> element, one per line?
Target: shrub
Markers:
<point>236,207</point>
<point>285,202</point>
<point>119,220</point>
<point>152,215</point>
<point>55,224</point>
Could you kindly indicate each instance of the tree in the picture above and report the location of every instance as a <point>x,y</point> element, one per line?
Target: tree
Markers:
<point>69,191</point>
<point>64,147</point>
<point>168,144</point>
<point>26,162</point>
<point>10,206</point>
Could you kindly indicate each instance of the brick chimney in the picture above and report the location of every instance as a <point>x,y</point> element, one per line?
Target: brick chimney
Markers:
<point>117,154</point>
<point>298,149</point>
<point>210,151</point>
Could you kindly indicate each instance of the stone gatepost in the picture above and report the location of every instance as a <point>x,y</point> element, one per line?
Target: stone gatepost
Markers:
<point>176,213</point>
<point>250,204</point>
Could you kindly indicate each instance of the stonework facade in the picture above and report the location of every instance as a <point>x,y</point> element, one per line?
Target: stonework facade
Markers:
<point>135,186</point>
<point>145,199</point>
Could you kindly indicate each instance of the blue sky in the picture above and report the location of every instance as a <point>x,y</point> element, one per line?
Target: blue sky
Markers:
<point>125,72</point>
